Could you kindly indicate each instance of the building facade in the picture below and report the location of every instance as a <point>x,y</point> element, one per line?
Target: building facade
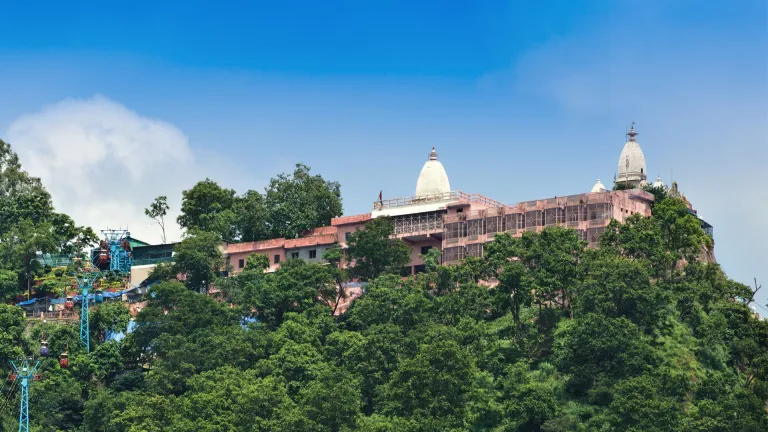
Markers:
<point>460,224</point>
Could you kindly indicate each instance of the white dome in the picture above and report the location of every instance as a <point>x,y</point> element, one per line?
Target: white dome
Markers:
<point>658,183</point>
<point>631,162</point>
<point>598,187</point>
<point>432,180</point>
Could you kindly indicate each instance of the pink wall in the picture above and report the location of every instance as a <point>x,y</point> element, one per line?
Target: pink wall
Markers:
<point>623,206</point>
<point>270,253</point>
<point>416,250</point>
<point>341,232</point>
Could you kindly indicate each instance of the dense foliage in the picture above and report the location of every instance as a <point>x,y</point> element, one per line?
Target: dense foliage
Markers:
<point>636,335</point>
<point>30,225</point>
<point>290,205</point>
<point>540,334</point>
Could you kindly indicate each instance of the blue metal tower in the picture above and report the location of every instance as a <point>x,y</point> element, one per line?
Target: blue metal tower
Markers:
<point>24,372</point>
<point>116,242</point>
<point>85,284</point>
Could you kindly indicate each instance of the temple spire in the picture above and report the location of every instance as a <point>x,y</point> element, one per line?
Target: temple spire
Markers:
<point>631,134</point>
<point>433,154</point>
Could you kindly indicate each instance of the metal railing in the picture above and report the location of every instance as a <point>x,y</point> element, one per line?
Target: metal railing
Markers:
<point>445,196</point>
<point>60,315</point>
<point>148,261</point>
<point>54,260</point>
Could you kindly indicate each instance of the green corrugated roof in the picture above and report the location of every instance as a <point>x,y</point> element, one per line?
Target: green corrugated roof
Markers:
<point>136,242</point>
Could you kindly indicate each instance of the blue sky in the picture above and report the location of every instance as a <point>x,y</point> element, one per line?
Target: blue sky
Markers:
<point>523,100</point>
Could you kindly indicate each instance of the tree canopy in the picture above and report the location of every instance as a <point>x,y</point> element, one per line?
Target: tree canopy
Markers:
<point>30,225</point>
<point>291,204</point>
<point>538,334</point>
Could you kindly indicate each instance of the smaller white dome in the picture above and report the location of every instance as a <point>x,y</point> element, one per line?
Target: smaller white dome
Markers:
<point>598,187</point>
<point>658,183</point>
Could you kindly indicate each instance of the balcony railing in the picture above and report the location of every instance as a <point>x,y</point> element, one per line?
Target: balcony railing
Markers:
<point>150,261</point>
<point>55,260</point>
<point>445,196</point>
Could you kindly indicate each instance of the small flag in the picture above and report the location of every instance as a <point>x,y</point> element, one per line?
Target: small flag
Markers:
<point>380,195</point>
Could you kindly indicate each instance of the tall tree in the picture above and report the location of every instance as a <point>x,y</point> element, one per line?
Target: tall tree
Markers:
<point>251,217</point>
<point>20,245</point>
<point>28,222</point>
<point>9,285</point>
<point>22,197</point>
<point>208,207</point>
<point>301,201</point>
<point>199,258</point>
<point>70,238</point>
<point>157,212</point>
<point>372,252</point>
<point>112,316</point>
<point>12,325</point>
<point>680,229</point>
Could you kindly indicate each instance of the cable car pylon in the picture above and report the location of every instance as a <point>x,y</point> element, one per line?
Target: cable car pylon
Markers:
<point>85,284</point>
<point>24,371</point>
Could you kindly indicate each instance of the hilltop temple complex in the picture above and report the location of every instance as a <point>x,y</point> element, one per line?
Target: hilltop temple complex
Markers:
<point>456,223</point>
<point>460,224</point>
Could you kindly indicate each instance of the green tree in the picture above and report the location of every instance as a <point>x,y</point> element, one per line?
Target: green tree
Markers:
<point>208,207</point>
<point>111,316</point>
<point>12,324</point>
<point>295,287</point>
<point>252,216</point>
<point>680,229</point>
<point>9,285</point>
<point>70,238</point>
<point>639,403</point>
<point>199,258</point>
<point>332,400</point>
<point>371,251</point>
<point>619,287</point>
<point>334,256</point>
<point>596,351</point>
<point>300,201</point>
<point>22,197</point>
<point>28,223</point>
<point>435,383</point>
<point>639,238</point>
<point>20,245</point>
<point>157,212</point>
<point>659,193</point>
<point>513,290</point>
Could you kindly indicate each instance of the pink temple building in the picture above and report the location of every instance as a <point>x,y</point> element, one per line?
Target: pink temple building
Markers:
<point>460,224</point>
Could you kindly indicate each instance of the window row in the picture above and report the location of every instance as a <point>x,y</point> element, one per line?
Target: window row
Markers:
<point>458,253</point>
<point>533,218</point>
<point>276,258</point>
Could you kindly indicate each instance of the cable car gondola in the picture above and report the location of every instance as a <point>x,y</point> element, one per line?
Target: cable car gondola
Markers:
<point>64,360</point>
<point>98,296</point>
<point>69,304</point>
<point>44,342</point>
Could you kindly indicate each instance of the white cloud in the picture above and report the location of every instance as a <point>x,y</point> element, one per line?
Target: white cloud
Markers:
<point>103,163</point>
